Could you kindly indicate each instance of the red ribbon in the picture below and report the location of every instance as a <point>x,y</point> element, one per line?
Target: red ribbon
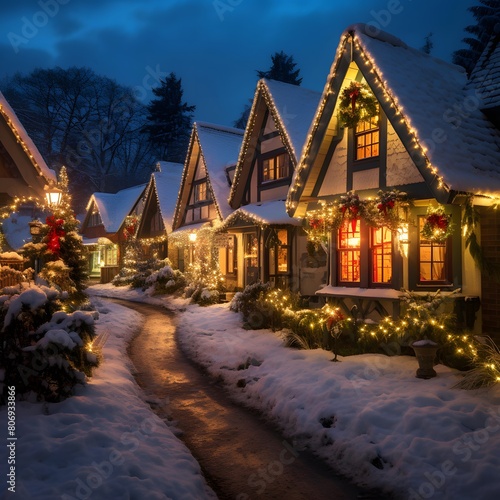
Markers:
<point>55,233</point>
<point>354,94</point>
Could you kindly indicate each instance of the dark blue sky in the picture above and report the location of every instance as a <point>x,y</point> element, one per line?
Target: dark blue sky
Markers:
<point>215,46</point>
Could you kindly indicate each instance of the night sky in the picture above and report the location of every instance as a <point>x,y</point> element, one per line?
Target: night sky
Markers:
<point>215,46</point>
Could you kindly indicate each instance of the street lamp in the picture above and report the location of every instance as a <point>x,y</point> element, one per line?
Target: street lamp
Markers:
<point>35,229</point>
<point>53,196</point>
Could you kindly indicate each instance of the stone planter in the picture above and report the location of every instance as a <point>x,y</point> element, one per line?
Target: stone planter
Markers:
<point>425,351</point>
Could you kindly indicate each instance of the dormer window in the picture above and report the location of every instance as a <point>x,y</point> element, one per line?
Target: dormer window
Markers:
<point>367,139</point>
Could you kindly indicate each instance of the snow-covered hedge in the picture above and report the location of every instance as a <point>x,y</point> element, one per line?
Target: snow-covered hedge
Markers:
<point>45,352</point>
<point>165,280</point>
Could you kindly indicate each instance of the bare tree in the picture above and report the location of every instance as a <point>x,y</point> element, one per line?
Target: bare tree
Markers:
<point>84,121</point>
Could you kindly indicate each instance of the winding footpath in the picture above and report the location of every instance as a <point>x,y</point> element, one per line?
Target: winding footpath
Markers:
<point>241,456</point>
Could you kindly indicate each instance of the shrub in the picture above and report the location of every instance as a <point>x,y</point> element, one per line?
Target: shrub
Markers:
<point>166,280</point>
<point>44,351</point>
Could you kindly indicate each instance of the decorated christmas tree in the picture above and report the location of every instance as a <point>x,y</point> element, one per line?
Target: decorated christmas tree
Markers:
<point>65,264</point>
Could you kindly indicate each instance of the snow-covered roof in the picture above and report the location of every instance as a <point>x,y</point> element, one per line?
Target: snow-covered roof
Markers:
<point>292,108</point>
<point>220,147</point>
<point>295,106</point>
<point>24,139</point>
<point>451,141</point>
<point>263,214</point>
<point>485,77</point>
<point>167,183</point>
<point>113,208</point>
<point>428,91</point>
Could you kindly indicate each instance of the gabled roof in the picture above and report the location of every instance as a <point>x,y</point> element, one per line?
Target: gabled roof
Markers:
<point>34,170</point>
<point>450,141</point>
<point>113,208</point>
<point>261,214</point>
<point>485,77</point>
<point>165,186</point>
<point>219,147</point>
<point>292,108</point>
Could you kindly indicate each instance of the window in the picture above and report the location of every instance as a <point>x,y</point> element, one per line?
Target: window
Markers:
<point>279,252</point>
<point>367,139</point>
<point>200,192</point>
<point>156,224</point>
<point>275,167</point>
<point>433,259</point>
<point>364,255</point>
<point>349,251</point>
<point>95,219</point>
<point>381,252</point>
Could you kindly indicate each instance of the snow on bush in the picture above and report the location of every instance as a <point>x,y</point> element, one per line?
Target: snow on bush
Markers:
<point>44,352</point>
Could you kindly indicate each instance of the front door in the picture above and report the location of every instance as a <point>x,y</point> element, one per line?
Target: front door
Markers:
<point>251,243</point>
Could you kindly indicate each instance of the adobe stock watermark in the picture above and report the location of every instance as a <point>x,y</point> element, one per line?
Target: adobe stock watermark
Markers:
<point>267,475</point>
<point>383,17</point>
<point>31,27</point>
<point>96,473</point>
<point>223,6</point>
<point>463,449</point>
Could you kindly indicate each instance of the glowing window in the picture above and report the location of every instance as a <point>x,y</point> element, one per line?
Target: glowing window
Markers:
<point>432,256</point>
<point>367,138</point>
<point>276,167</point>
<point>349,250</point>
<point>381,250</point>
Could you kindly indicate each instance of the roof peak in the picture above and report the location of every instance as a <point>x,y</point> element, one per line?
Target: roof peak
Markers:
<point>218,128</point>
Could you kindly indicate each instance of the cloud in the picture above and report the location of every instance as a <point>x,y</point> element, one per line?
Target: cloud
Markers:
<point>215,46</point>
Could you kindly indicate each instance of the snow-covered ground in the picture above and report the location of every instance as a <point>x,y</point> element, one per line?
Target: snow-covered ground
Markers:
<point>368,415</point>
<point>104,442</point>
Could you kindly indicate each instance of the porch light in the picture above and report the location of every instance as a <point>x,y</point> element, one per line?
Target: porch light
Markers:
<point>53,196</point>
<point>192,237</point>
<point>403,239</point>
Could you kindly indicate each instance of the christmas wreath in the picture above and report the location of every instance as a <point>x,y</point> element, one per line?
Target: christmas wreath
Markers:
<point>357,103</point>
<point>437,225</point>
<point>130,226</point>
<point>320,223</point>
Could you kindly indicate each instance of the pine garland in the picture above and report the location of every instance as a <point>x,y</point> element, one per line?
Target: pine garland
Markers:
<point>470,221</point>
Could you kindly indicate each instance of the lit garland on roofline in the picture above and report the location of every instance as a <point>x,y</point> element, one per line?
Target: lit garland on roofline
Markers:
<point>264,90</point>
<point>19,138</point>
<point>389,98</point>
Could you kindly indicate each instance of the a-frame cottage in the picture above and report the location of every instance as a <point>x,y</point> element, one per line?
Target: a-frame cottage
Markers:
<point>428,138</point>
<point>106,228</point>
<point>204,190</point>
<point>23,174</point>
<point>159,204</point>
<point>23,171</point>
<point>273,246</point>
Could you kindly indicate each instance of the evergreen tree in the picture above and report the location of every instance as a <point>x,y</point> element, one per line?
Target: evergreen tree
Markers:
<point>487,15</point>
<point>65,261</point>
<point>170,120</point>
<point>428,45</point>
<point>282,69</point>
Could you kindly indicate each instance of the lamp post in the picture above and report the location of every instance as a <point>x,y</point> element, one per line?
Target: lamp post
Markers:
<point>53,196</point>
<point>35,231</point>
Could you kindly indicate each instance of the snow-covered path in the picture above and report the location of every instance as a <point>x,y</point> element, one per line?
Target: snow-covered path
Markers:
<point>241,456</point>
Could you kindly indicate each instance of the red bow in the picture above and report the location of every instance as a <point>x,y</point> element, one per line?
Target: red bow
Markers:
<point>55,233</point>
